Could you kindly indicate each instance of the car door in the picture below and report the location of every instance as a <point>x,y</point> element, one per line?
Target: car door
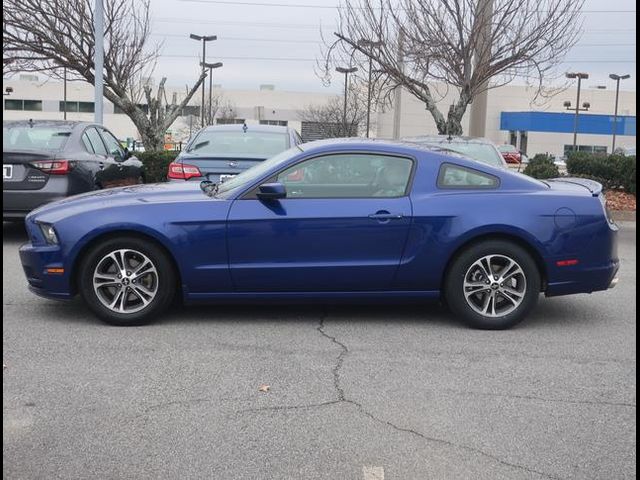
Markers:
<point>94,144</point>
<point>342,226</point>
<point>122,170</point>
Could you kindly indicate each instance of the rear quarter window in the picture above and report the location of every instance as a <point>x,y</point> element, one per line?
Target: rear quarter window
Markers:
<point>457,177</point>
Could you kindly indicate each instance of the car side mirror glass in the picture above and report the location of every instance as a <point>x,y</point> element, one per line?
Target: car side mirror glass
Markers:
<point>271,191</point>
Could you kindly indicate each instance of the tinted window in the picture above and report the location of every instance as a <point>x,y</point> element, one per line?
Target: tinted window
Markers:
<point>39,138</point>
<point>348,175</point>
<point>455,176</point>
<point>96,141</point>
<point>240,144</point>
<point>113,146</point>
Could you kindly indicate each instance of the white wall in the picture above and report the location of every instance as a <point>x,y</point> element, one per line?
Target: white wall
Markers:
<point>282,105</point>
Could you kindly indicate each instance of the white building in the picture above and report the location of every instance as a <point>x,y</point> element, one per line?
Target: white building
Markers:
<point>513,115</point>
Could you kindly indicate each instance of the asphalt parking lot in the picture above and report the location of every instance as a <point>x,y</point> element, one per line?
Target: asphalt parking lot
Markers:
<point>393,392</point>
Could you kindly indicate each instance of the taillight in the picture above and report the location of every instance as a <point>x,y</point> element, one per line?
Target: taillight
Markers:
<point>53,167</point>
<point>182,171</point>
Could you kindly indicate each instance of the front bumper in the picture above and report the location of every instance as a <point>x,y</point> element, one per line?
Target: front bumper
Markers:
<point>35,262</point>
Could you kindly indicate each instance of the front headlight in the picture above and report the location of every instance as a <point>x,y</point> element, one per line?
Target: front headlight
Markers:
<point>49,233</point>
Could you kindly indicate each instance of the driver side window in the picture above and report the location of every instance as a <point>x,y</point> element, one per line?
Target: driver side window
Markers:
<point>350,175</point>
<point>113,146</point>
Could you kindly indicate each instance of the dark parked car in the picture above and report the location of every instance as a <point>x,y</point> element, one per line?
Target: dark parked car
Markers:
<point>46,160</point>
<point>219,152</point>
<point>330,221</point>
<point>479,149</point>
<point>510,153</point>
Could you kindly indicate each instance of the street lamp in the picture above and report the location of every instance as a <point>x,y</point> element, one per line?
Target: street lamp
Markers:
<point>346,72</point>
<point>580,77</point>
<point>8,91</point>
<point>211,66</point>
<point>617,78</point>
<point>204,39</point>
<point>363,42</point>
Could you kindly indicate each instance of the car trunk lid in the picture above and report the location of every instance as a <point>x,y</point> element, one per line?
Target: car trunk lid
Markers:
<point>18,172</point>
<point>575,183</point>
<point>216,169</point>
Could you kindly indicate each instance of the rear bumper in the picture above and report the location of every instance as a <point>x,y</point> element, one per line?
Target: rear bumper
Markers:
<point>587,280</point>
<point>18,203</point>
<point>35,261</point>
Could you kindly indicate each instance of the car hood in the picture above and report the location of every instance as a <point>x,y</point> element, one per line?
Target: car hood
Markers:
<point>121,197</point>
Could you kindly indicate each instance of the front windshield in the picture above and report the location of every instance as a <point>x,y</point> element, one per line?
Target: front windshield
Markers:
<point>480,152</point>
<point>252,174</point>
<point>240,144</point>
<point>508,149</point>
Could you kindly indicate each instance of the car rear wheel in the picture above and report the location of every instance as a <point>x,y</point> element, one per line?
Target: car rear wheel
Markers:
<point>492,285</point>
<point>127,281</point>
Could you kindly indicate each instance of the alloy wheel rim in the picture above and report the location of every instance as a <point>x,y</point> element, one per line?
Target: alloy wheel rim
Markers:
<point>494,286</point>
<point>125,281</point>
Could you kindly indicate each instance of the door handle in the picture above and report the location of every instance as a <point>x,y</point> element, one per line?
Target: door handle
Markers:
<point>386,216</point>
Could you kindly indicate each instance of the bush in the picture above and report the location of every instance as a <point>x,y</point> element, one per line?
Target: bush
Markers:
<point>615,172</point>
<point>542,166</point>
<point>156,164</point>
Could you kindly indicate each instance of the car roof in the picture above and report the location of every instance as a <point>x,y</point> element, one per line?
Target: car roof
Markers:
<point>250,128</point>
<point>447,139</point>
<point>70,124</point>
<point>375,144</point>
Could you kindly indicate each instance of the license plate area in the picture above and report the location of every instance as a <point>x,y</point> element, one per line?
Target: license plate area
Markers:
<point>7,172</point>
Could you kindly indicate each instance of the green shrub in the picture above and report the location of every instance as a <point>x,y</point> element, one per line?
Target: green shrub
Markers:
<point>617,172</point>
<point>156,164</point>
<point>541,166</point>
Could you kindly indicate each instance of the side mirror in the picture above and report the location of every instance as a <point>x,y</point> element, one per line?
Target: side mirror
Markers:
<point>127,154</point>
<point>271,191</point>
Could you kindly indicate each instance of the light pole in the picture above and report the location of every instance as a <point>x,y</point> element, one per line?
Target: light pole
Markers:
<point>98,61</point>
<point>346,72</point>
<point>363,42</point>
<point>204,39</point>
<point>211,66</point>
<point>64,94</point>
<point>617,78</point>
<point>580,77</point>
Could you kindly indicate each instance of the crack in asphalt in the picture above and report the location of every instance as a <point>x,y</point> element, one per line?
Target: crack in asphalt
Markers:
<point>343,399</point>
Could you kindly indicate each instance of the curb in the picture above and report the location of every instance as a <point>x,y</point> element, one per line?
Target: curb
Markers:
<point>624,215</point>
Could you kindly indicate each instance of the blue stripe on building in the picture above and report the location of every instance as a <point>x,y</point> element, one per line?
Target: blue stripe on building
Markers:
<point>563,123</point>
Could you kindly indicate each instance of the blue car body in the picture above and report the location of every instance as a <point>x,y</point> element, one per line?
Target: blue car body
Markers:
<point>234,246</point>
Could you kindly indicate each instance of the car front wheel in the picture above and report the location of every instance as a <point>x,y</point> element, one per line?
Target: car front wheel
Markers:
<point>127,281</point>
<point>493,285</point>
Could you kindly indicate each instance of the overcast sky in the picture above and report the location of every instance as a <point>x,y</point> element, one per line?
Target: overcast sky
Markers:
<point>272,44</point>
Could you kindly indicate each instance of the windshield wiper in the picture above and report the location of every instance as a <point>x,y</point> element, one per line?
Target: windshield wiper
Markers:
<point>199,145</point>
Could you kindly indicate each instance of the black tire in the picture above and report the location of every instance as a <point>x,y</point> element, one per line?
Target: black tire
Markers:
<point>165,288</point>
<point>454,289</point>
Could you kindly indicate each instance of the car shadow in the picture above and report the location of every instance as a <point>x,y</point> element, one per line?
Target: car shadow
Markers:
<point>14,232</point>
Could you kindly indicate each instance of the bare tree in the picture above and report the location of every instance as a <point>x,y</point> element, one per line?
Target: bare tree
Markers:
<point>470,45</point>
<point>227,111</point>
<point>48,35</point>
<point>329,117</point>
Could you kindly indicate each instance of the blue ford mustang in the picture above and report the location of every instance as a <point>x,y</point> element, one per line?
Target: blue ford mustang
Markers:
<point>328,221</point>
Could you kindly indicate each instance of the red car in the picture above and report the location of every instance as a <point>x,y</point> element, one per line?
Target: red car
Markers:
<point>510,153</point>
